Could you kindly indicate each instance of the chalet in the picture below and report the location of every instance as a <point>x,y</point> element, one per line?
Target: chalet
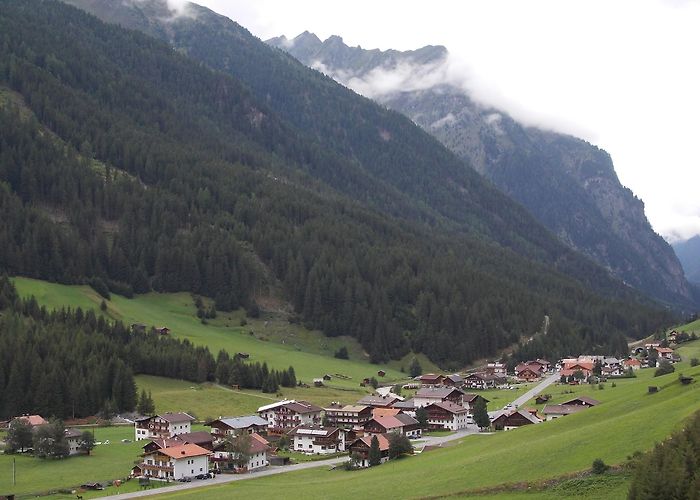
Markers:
<point>526,373</point>
<point>284,415</point>
<point>552,412</point>
<point>348,416</point>
<point>317,440</point>
<point>378,401</point>
<point>632,363</point>
<point>326,377</point>
<point>227,426</point>
<point>507,420</point>
<point>176,462</point>
<point>484,380</point>
<point>381,373</point>
<point>664,353</point>
<point>360,447</point>
<point>454,380</point>
<point>582,401</point>
<point>318,382</point>
<point>431,379</point>
<point>671,336</point>
<point>258,455</point>
<point>401,423</point>
<point>162,426</point>
<point>163,330</point>
<point>200,438</point>
<point>429,395</point>
<point>447,415</point>
<point>242,355</point>
<point>32,420</point>
<point>73,438</point>
<point>469,401</point>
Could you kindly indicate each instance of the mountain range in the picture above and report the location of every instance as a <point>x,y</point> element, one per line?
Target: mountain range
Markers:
<point>194,157</point>
<point>689,254</point>
<point>569,185</point>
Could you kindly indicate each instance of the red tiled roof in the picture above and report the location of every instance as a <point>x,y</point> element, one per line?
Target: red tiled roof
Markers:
<point>383,441</point>
<point>184,451</point>
<point>33,420</point>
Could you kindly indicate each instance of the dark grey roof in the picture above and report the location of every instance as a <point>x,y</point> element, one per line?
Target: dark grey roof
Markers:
<point>241,422</point>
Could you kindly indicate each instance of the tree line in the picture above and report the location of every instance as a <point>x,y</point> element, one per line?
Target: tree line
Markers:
<point>70,363</point>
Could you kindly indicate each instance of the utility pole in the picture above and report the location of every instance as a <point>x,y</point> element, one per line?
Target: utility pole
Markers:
<point>14,472</point>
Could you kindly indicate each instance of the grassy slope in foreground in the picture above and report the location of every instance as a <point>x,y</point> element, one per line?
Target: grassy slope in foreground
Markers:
<point>629,419</point>
<point>311,353</point>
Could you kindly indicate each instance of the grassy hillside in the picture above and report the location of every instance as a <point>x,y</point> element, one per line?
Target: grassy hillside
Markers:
<point>629,419</point>
<point>273,339</point>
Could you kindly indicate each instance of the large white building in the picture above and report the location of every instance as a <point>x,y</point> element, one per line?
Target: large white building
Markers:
<point>287,414</point>
<point>317,440</point>
<point>257,459</point>
<point>176,462</point>
<point>163,426</point>
<point>447,415</point>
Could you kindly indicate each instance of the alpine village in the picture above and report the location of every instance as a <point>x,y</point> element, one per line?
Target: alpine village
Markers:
<point>226,271</point>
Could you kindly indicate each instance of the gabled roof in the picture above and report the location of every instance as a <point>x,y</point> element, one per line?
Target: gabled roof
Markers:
<point>470,396</point>
<point>449,406</point>
<point>383,412</point>
<point>176,418</point>
<point>455,377</point>
<point>184,451</point>
<point>367,440</point>
<point>409,404</point>
<point>562,409</point>
<point>33,420</point>
<point>507,414</point>
<point>583,365</point>
<point>582,400</point>
<point>377,400</point>
<point>430,376</point>
<point>664,350</point>
<point>632,361</point>
<point>241,422</point>
<point>198,437</point>
<point>295,406</point>
<point>73,433</point>
<point>352,408</point>
<point>303,407</point>
<point>406,419</point>
<point>438,392</point>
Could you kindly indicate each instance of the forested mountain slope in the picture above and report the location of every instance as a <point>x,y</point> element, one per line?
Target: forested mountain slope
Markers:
<point>127,162</point>
<point>388,162</point>
<point>568,184</point>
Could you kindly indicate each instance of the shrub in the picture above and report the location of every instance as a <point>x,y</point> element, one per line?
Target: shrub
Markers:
<point>664,368</point>
<point>694,362</point>
<point>599,467</point>
<point>342,353</point>
<point>243,322</point>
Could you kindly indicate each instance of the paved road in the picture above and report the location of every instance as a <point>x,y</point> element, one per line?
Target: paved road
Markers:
<point>270,471</point>
<point>536,390</point>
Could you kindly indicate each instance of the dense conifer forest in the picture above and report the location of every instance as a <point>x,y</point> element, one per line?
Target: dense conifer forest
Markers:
<point>124,161</point>
<point>71,363</point>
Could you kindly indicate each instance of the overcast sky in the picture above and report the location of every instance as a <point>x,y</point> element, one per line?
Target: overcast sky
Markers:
<point>622,74</point>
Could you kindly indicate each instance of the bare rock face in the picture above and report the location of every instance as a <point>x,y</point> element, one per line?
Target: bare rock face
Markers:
<point>568,184</point>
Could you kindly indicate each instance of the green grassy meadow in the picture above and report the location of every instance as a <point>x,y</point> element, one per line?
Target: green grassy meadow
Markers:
<point>273,340</point>
<point>628,419</point>
<point>107,462</point>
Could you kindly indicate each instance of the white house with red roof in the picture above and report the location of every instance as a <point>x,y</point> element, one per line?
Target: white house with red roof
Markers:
<point>176,462</point>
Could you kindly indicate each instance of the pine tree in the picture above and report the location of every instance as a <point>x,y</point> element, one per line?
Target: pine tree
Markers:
<point>481,416</point>
<point>375,455</point>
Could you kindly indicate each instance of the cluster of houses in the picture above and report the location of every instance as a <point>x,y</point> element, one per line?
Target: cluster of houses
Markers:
<point>73,436</point>
<point>512,418</point>
<point>652,353</point>
<point>174,452</point>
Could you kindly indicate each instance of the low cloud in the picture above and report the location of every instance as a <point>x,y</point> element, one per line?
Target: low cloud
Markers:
<point>176,8</point>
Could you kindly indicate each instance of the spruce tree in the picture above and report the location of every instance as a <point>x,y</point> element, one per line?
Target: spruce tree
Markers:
<point>375,455</point>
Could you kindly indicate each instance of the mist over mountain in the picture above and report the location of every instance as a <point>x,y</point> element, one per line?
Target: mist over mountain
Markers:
<point>689,254</point>
<point>567,184</point>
